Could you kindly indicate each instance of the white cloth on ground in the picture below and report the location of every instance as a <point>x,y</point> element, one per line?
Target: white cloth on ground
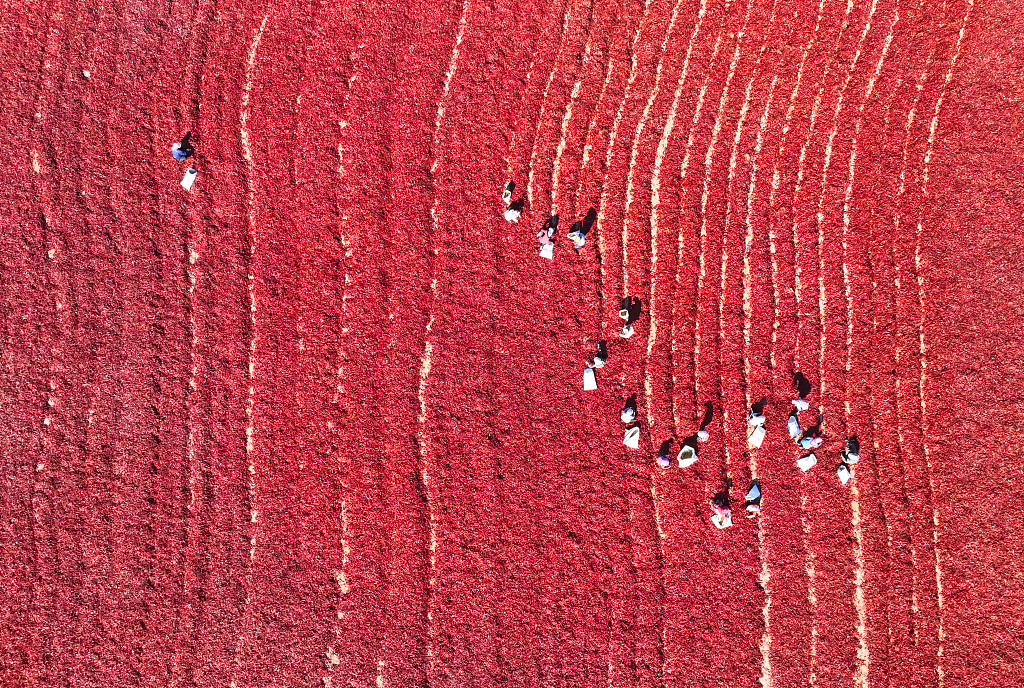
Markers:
<point>756,437</point>
<point>806,463</point>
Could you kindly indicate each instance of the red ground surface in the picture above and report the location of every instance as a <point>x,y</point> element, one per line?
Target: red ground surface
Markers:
<point>320,422</point>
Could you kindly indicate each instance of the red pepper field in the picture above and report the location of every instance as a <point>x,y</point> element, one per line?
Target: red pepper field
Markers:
<point>320,421</point>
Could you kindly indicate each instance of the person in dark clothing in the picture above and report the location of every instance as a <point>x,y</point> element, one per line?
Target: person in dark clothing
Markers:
<point>577,236</point>
<point>811,437</point>
<point>628,414</point>
<point>601,357</point>
<point>183,150</point>
<point>663,452</point>
<point>851,452</point>
<point>709,413</point>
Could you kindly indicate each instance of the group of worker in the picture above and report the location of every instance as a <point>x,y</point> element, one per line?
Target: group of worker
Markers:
<point>808,439</point>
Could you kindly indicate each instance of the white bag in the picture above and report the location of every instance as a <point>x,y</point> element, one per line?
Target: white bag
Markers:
<point>806,463</point>
<point>844,473</point>
<point>794,427</point>
<point>189,178</point>
<point>686,457</point>
<point>547,251</point>
<point>754,493</point>
<point>756,437</point>
<point>589,379</point>
<point>632,438</point>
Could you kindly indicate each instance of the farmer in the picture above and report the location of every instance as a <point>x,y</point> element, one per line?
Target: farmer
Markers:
<point>753,503</point>
<point>756,415</point>
<point>628,414</point>
<point>601,357</point>
<point>627,331</point>
<point>663,452</point>
<point>811,437</point>
<point>514,211</point>
<point>721,514</point>
<point>547,230</point>
<point>803,389</point>
<point>851,452</point>
<point>506,195</point>
<point>184,150</point>
<point>631,309</point>
<point>577,235</point>
<point>709,413</point>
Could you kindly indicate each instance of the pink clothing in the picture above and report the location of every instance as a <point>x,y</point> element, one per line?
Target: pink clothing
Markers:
<point>719,510</point>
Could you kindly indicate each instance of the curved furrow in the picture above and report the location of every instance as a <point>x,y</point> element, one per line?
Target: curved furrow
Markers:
<point>912,466</point>
<point>862,411</point>
<point>800,175</point>
<point>633,152</point>
<point>515,166</point>
<point>796,662</point>
<point>701,268</point>
<point>424,447</point>
<point>581,68</point>
<point>745,549</point>
<point>641,363</point>
<point>197,516</point>
<point>543,106</point>
<point>922,349</point>
<point>764,646</point>
<point>659,159</point>
<point>724,260</point>
<point>860,603</point>
<point>612,136</point>
<point>248,624</point>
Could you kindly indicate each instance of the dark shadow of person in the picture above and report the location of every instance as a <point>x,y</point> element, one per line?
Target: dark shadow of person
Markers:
<point>709,413</point>
<point>588,221</point>
<point>814,430</point>
<point>803,385</point>
<point>665,448</point>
